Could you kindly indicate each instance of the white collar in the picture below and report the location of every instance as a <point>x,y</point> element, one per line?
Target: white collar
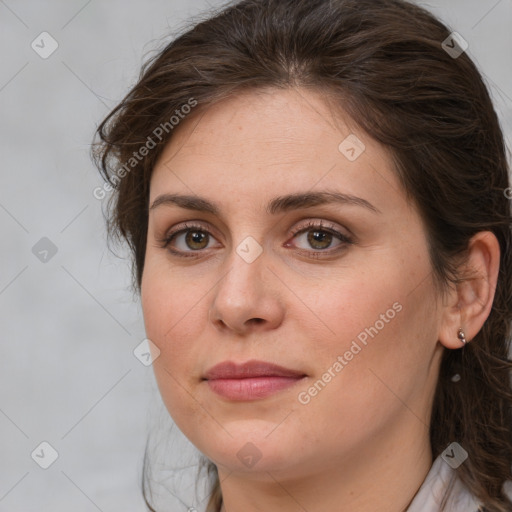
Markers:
<point>430,494</point>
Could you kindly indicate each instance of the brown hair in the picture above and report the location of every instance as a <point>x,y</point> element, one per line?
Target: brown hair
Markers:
<point>384,62</point>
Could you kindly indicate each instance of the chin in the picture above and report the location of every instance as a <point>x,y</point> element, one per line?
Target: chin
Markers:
<point>250,453</point>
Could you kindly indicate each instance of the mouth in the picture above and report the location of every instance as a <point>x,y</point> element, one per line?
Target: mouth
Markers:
<point>252,380</point>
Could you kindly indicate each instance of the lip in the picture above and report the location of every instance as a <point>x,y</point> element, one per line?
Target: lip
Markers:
<point>251,380</point>
<point>253,368</point>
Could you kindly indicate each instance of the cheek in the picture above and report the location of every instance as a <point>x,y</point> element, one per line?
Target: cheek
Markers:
<point>174,317</point>
<point>384,337</point>
<point>171,304</point>
<point>358,305</point>
<point>379,321</point>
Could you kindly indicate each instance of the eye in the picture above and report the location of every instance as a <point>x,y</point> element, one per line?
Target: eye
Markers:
<point>189,239</point>
<point>320,237</point>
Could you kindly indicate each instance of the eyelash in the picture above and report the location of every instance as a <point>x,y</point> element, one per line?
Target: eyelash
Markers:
<point>317,225</point>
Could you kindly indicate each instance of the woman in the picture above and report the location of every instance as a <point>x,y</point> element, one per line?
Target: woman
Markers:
<point>315,196</point>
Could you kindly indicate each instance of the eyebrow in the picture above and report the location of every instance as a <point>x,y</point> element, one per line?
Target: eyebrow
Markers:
<point>275,206</point>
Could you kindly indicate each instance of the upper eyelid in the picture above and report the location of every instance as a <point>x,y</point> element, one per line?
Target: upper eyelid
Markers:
<point>302,225</point>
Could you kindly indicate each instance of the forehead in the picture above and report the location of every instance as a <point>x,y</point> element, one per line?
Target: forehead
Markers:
<point>269,141</point>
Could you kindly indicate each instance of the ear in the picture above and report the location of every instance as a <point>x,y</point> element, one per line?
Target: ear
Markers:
<point>469,303</point>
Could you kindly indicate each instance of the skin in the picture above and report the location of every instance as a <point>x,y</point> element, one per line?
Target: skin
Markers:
<point>361,443</point>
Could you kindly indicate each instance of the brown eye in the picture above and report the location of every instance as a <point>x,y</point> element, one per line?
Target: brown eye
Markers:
<point>319,239</point>
<point>188,240</point>
<point>196,239</point>
<point>314,236</point>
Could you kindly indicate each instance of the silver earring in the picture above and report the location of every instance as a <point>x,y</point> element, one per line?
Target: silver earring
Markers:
<point>461,336</point>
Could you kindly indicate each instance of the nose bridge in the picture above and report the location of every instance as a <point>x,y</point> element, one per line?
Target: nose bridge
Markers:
<point>246,258</point>
<point>244,277</point>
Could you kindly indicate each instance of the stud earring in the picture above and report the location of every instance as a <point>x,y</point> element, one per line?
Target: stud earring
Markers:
<point>461,336</point>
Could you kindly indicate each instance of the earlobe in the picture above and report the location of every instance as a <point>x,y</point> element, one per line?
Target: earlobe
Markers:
<point>470,302</point>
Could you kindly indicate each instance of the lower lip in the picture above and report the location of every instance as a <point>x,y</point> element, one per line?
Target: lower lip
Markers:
<point>251,388</point>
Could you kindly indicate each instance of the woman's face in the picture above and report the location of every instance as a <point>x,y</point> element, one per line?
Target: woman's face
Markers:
<point>349,305</point>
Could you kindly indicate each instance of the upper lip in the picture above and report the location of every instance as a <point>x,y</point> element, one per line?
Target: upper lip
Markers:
<point>253,368</point>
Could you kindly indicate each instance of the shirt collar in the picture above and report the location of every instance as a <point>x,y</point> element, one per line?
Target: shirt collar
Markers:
<point>431,493</point>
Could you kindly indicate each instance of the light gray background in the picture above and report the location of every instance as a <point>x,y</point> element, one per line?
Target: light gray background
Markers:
<point>69,326</point>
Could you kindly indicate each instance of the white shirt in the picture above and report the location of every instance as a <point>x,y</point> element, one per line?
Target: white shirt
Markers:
<point>430,494</point>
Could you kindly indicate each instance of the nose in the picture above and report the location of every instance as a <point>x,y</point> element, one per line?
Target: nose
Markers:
<point>247,298</point>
